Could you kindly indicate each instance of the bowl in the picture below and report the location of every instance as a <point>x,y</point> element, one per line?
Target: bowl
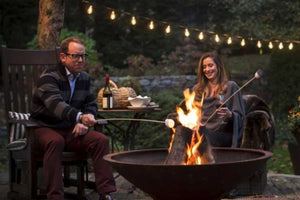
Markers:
<point>146,169</point>
<point>139,101</point>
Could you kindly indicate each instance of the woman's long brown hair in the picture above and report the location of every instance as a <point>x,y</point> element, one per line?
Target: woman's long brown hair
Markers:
<point>202,84</point>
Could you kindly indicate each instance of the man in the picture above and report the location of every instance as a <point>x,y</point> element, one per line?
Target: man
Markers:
<point>65,108</point>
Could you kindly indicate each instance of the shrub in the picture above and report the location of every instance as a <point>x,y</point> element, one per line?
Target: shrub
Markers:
<point>283,77</point>
<point>93,66</point>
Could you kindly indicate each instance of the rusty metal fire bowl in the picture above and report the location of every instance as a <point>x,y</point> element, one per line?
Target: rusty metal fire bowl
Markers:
<point>146,170</point>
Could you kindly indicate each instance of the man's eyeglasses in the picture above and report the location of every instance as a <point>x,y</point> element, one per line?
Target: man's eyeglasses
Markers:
<point>76,57</point>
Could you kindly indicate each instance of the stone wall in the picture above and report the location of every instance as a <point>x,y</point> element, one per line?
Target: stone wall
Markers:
<point>153,83</point>
<point>157,83</point>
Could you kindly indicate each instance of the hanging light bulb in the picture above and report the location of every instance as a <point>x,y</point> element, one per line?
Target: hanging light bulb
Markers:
<point>168,29</point>
<point>217,39</point>
<point>229,40</point>
<point>259,45</point>
<point>243,43</point>
<point>280,46</point>
<point>201,36</point>
<point>270,45</point>
<point>186,32</point>
<point>291,46</point>
<point>90,10</point>
<point>151,25</point>
<point>113,15</point>
<point>133,20</point>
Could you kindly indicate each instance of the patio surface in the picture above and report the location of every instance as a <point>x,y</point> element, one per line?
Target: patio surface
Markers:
<point>279,187</point>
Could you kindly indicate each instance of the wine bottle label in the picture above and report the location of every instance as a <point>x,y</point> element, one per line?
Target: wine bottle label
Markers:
<point>105,102</point>
<point>110,102</point>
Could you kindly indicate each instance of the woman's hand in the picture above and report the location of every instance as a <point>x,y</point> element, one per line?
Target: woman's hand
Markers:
<point>80,129</point>
<point>224,113</point>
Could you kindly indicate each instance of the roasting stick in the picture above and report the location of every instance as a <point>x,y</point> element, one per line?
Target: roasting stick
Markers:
<point>171,123</point>
<point>257,75</point>
<point>131,119</point>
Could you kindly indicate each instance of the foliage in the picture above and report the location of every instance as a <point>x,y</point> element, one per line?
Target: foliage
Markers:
<point>294,116</point>
<point>282,87</point>
<point>89,44</point>
<point>157,135</point>
<point>258,19</point>
<point>93,66</point>
<point>132,82</point>
<point>138,64</point>
<point>150,135</point>
<point>183,61</point>
<point>283,80</point>
<point>280,162</point>
<point>18,22</point>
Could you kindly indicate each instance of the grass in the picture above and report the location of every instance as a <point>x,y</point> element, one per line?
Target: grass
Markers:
<point>280,162</point>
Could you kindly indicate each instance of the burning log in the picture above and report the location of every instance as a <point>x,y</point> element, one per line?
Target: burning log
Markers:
<point>177,155</point>
<point>188,148</point>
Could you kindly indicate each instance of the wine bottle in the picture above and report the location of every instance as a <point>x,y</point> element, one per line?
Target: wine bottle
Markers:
<point>107,102</point>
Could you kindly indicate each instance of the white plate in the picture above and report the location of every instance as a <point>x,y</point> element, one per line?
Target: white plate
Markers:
<point>142,107</point>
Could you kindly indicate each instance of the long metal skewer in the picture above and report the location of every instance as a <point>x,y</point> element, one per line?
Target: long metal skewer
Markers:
<point>257,75</point>
<point>170,123</point>
<point>130,119</point>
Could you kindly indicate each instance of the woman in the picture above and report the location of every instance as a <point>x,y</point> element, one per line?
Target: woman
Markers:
<point>223,125</point>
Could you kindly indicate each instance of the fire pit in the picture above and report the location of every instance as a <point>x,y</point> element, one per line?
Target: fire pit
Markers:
<point>147,171</point>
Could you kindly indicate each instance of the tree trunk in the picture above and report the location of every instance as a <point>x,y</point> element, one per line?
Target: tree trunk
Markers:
<point>50,23</point>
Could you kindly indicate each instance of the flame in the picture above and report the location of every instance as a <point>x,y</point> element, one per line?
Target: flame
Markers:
<point>193,155</point>
<point>172,139</point>
<point>191,119</point>
<point>193,115</point>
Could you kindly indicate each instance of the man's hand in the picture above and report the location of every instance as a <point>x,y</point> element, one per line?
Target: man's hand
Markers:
<point>88,120</point>
<point>80,129</point>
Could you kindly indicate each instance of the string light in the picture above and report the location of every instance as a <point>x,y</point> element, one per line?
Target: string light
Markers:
<point>201,36</point>
<point>217,39</point>
<point>90,10</point>
<point>151,25</point>
<point>243,43</point>
<point>113,15</point>
<point>229,40</point>
<point>259,45</point>
<point>186,32</point>
<point>168,29</point>
<point>270,45</point>
<point>133,20</point>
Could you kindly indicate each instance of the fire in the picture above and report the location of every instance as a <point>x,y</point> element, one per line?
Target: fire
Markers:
<point>193,155</point>
<point>191,119</point>
<point>172,139</point>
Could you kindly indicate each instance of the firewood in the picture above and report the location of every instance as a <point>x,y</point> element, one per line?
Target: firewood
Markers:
<point>177,155</point>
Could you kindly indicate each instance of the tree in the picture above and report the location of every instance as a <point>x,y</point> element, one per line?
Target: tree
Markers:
<point>50,23</point>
